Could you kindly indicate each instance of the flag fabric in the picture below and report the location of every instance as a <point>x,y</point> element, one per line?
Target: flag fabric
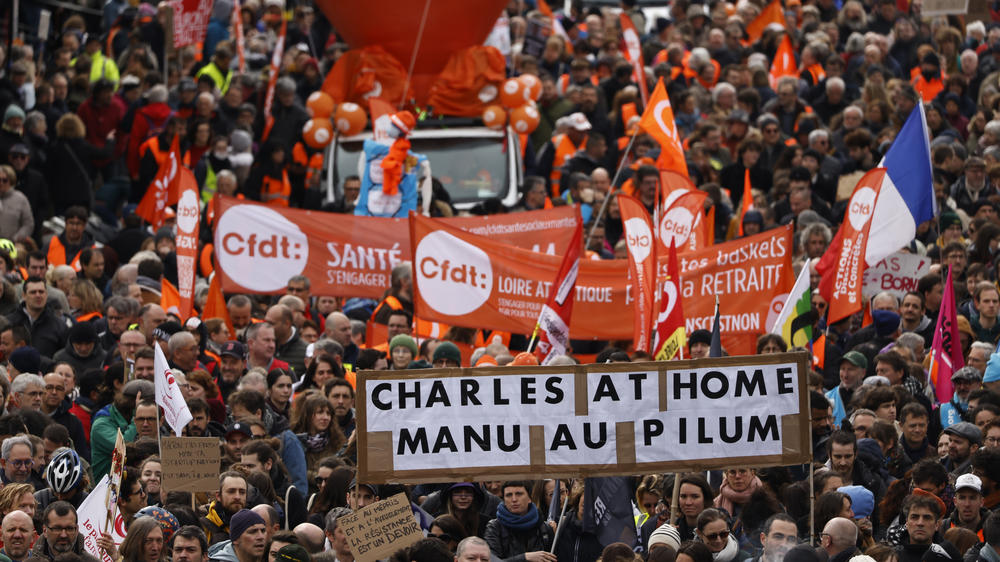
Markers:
<point>188,221</point>
<point>633,53</point>
<point>658,120</point>
<point>671,337</point>
<point>168,393</point>
<point>715,348</point>
<point>819,353</point>
<point>154,203</point>
<point>279,53</point>
<point>681,221</point>
<point>642,266</point>
<point>215,305</point>
<point>90,518</point>
<point>552,328</point>
<point>555,506</point>
<point>557,27</point>
<point>784,62</point>
<point>747,203</point>
<point>607,510</point>
<point>906,198</point>
<point>170,297</point>
<point>237,23</point>
<point>772,13</point>
<point>845,276</point>
<point>946,351</point>
<point>795,321</point>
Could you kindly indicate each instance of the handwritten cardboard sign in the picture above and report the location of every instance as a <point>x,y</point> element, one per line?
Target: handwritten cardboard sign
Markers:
<point>378,530</point>
<point>190,464</point>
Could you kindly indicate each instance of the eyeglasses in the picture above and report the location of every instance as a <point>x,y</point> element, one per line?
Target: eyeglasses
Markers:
<point>717,536</point>
<point>992,440</point>
<point>23,463</point>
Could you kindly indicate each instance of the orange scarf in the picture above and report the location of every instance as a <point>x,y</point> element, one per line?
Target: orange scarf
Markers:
<point>392,165</point>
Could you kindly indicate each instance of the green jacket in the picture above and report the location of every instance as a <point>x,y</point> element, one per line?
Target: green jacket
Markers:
<point>103,432</point>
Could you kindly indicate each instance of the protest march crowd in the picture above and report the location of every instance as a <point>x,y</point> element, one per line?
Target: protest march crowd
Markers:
<point>778,110</point>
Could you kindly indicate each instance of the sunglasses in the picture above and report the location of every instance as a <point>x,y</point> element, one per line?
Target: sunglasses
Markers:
<point>716,536</point>
<point>444,537</point>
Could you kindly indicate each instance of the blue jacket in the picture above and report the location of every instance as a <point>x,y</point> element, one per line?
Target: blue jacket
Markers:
<point>953,411</point>
<point>294,457</point>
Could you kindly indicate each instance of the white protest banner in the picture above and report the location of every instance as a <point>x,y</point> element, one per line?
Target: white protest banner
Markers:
<point>945,7</point>
<point>168,393</point>
<point>90,517</point>
<point>896,274</point>
<point>583,420</point>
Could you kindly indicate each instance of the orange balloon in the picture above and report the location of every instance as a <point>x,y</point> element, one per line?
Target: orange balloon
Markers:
<point>532,86</point>
<point>350,118</point>
<point>319,104</point>
<point>318,132</point>
<point>525,119</point>
<point>494,117</point>
<point>512,93</point>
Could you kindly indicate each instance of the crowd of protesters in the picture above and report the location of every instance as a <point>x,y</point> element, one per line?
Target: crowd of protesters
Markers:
<point>88,116</point>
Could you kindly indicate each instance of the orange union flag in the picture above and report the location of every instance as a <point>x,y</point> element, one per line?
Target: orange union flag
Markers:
<point>658,121</point>
<point>642,265</point>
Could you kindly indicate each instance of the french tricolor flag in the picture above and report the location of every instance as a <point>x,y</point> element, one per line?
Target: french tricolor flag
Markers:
<point>887,205</point>
<point>906,198</point>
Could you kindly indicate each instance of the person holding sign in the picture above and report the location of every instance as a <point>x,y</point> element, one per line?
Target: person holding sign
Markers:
<point>519,532</point>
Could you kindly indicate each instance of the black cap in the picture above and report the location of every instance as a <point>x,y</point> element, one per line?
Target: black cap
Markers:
<point>239,427</point>
<point>83,332</point>
<point>233,349</point>
<point>371,487</point>
<point>700,336</point>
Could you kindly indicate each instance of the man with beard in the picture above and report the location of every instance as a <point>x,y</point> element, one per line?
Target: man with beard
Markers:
<point>201,424</point>
<point>229,500</point>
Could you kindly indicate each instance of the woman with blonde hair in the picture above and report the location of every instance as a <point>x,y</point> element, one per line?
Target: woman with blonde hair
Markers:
<point>85,301</point>
<point>15,497</point>
<point>70,172</point>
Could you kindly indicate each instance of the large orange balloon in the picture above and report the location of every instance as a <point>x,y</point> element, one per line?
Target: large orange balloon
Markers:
<point>318,132</point>
<point>512,93</point>
<point>494,117</point>
<point>350,119</point>
<point>319,104</point>
<point>532,86</point>
<point>525,119</point>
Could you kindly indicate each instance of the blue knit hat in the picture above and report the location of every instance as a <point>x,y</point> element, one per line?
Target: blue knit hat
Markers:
<point>243,520</point>
<point>862,500</point>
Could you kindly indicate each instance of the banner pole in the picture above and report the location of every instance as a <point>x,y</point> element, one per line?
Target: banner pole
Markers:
<point>604,204</point>
<point>559,526</point>
<point>675,498</point>
<point>812,506</point>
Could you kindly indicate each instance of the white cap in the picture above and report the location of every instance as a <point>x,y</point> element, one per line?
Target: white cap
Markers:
<point>969,481</point>
<point>579,121</point>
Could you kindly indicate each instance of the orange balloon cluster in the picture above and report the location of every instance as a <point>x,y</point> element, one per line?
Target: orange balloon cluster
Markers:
<point>318,132</point>
<point>517,98</point>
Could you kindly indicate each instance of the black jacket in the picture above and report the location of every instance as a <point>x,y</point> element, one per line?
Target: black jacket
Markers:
<point>575,544</point>
<point>48,332</point>
<point>73,425</point>
<point>510,545</point>
<point>909,552</point>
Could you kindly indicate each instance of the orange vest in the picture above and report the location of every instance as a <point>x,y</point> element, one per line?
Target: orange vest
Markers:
<point>153,143</point>
<point>816,72</point>
<point>57,255</point>
<point>313,164</point>
<point>929,89</point>
<point>274,192</point>
<point>563,82</point>
<point>564,151</point>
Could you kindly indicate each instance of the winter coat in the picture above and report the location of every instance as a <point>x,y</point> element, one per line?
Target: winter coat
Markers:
<point>510,545</point>
<point>80,363</point>
<point>73,425</point>
<point>103,432</point>
<point>576,544</point>
<point>43,550</point>
<point>48,332</point>
<point>16,217</point>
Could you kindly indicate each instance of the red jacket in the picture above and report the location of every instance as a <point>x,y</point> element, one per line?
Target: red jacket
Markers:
<point>152,117</point>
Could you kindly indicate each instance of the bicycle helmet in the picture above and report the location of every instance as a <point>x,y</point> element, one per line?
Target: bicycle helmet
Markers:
<point>9,247</point>
<point>64,471</point>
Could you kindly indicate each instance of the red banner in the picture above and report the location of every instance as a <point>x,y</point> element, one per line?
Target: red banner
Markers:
<point>633,53</point>
<point>487,283</point>
<point>641,266</point>
<point>190,21</point>
<point>670,336</point>
<point>848,271</point>
<point>188,219</point>
<point>237,23</point>
<point>259,247</point>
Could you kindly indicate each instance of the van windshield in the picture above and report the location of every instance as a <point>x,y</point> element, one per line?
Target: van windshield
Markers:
<point>471,169</point>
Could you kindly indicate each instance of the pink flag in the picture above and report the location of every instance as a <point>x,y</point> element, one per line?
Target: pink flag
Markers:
<point>946,351</point>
